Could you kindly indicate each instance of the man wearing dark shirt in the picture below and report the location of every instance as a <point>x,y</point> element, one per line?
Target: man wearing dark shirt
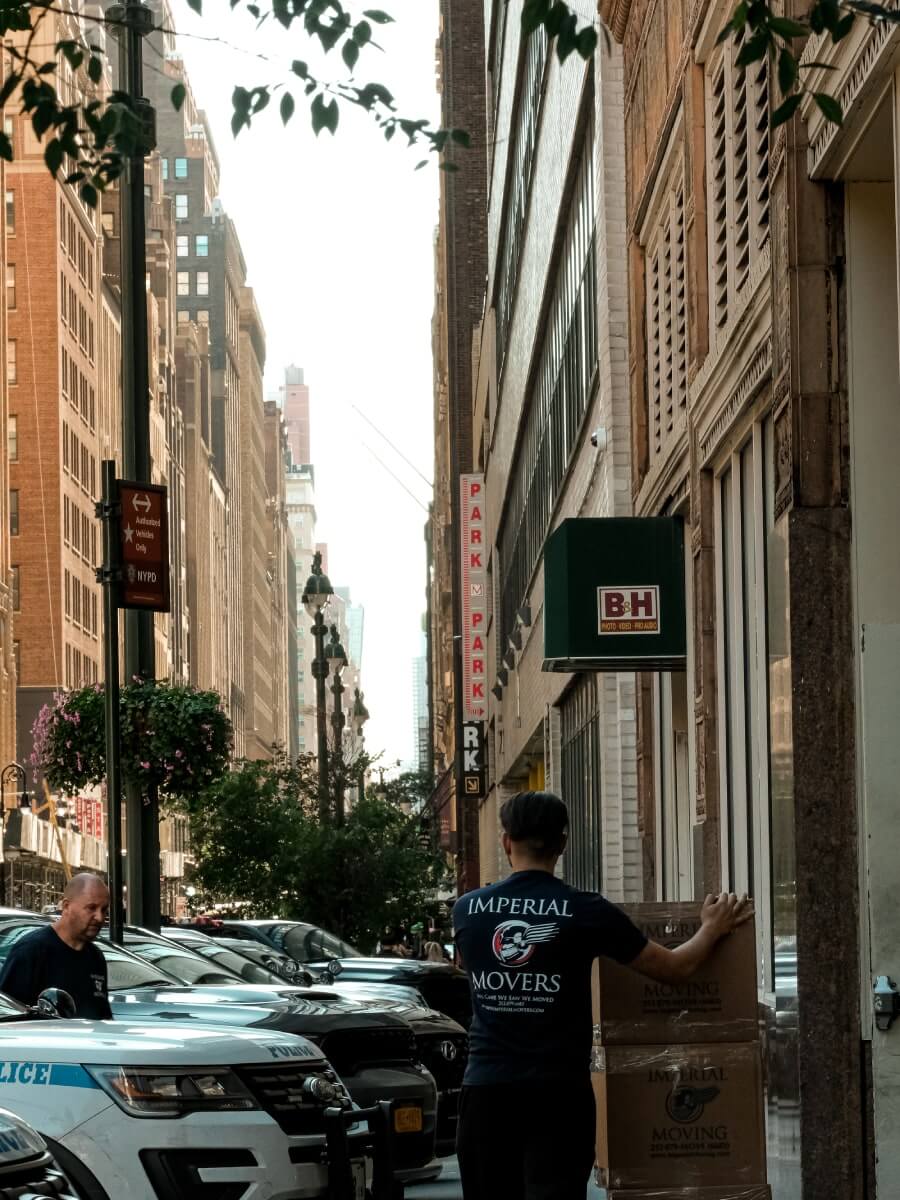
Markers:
<point>63,955</point>
<point>527,1121</point>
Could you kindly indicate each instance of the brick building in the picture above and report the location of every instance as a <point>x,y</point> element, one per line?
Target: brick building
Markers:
<point>460,266</point>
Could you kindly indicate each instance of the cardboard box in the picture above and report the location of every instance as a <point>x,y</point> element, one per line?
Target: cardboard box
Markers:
<point>717,1004</point>
<point>727,1193</point>
<point>685,1116</point>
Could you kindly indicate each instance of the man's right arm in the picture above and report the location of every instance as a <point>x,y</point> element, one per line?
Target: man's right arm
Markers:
<point>19,977</point>
<point>719,916</point>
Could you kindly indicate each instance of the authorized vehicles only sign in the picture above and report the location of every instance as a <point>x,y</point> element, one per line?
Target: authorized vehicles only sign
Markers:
<point>144,546</point>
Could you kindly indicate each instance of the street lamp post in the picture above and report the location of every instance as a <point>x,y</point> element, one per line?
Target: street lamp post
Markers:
<point>337,662</point>
<point>360,714</point>
<point>316,595</point>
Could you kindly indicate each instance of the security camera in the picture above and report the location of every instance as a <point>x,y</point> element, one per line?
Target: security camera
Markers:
<point>599,439</point>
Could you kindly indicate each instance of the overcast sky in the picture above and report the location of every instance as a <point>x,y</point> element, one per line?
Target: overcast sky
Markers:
<point>338,236</point>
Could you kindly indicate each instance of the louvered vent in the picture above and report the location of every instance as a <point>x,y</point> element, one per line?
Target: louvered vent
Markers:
<point>667,317</point>
<point>719,199</point>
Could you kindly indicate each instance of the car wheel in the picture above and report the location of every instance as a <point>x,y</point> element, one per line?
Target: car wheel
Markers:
<point>86,1186</point>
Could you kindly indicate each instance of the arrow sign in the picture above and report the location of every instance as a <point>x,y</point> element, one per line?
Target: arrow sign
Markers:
<point>141,501</point>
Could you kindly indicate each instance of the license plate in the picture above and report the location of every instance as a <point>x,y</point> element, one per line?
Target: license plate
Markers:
<point>359,1181</point>
<point>408,1120</point>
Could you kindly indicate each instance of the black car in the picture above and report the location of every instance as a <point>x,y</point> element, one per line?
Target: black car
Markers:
<point>443,986</point>
<point>375,1051</point>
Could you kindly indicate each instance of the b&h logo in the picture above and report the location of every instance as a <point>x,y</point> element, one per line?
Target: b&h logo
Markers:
<point>628,609</point>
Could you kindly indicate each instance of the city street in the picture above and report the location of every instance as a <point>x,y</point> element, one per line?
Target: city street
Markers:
<point>448,1187</point>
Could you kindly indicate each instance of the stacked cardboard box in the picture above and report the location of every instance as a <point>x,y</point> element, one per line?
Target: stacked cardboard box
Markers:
<point>678,1076</point>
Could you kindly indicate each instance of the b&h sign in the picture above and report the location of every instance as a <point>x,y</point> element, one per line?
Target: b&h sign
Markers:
<point>628,609</point>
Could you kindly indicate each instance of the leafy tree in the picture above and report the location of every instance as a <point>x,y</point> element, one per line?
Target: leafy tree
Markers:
<point>99,132</point>
<point>260,845</point>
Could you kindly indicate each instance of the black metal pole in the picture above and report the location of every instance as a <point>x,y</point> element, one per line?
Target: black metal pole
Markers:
<point>320,673</point>
<point>136,21</point>
<point>337,724</point>
<point>109,576</point>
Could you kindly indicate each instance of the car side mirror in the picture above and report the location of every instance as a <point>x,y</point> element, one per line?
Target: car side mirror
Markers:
<point>54,1002</point>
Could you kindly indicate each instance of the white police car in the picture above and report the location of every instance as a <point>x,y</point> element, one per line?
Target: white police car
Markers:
<point>171,1113</point>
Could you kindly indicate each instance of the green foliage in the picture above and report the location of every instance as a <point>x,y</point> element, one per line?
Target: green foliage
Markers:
<point>173,736</point>
<point>259,843</point>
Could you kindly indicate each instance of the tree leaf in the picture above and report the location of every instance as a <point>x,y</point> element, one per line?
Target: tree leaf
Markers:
<point>534,14</point>
<point>787,71</point>
<point>287,107</point>
<point>196,5</point>
<point>6,150</point>
<point>95,70</point>
<point>325,114</point>
<point>362,33</point>
<point>754,49</point>
<point>462,137</point>
<point>785,111</point>
<point>379,17</point>
<point>178,96</point>
<point>300,68</point>
<point>830,108</point>
<point>350,54</point>
<point>53,155</point>
<point>784,27</point>
<point>89,195</point>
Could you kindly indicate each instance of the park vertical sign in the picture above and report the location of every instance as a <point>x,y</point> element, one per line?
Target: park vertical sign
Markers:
<point>474,598</point>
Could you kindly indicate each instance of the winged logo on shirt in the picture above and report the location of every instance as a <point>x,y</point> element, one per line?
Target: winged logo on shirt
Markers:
<point>514,942</point>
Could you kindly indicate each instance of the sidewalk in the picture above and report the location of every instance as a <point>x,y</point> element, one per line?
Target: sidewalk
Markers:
<point>448,1186</point>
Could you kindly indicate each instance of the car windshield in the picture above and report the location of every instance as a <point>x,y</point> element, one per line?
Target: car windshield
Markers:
<point>236,963</point>
<point>182,964</point>
<point>127,971</point>
<point>308,943</point>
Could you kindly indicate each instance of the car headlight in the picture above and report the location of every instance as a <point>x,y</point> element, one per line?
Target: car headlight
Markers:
<point>150,1092</point>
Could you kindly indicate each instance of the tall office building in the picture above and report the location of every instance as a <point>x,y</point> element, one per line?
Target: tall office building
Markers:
<point>296,409</point>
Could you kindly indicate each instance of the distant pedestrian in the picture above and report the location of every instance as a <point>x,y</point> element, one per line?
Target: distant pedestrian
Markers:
<point>63,955</point>
<point>527,1123</point>
<point>433,952</point>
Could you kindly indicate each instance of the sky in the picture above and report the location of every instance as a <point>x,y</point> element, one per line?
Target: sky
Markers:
<point>338,236</point>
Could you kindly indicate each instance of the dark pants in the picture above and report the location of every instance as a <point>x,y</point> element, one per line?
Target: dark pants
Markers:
<point>532,1141</point>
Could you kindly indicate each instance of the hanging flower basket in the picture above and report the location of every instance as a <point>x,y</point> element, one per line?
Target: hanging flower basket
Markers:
<point>173,736</point>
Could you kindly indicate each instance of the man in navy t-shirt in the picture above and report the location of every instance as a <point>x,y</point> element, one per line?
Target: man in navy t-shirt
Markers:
<point>527,1125</point>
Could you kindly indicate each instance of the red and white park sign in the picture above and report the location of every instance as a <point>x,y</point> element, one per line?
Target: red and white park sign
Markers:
<point>474,597</point>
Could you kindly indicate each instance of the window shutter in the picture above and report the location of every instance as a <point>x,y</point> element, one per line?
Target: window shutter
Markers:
<point>719,197</point>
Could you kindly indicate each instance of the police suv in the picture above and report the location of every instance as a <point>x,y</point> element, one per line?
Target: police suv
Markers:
<point>170,1113</point>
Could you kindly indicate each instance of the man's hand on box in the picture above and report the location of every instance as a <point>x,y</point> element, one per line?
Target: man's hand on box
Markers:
<point>722,914</point>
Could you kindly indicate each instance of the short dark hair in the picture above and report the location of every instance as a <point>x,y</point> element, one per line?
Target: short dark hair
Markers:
<point>539,820</point>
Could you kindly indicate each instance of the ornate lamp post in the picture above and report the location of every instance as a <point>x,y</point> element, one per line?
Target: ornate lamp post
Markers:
<point>336,659</point>
<point>316,595</point>
<point>360,714</point>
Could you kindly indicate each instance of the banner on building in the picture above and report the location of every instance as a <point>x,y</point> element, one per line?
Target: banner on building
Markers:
<point>474,597</point>
<point>474,752</point>
<point>614,595</point>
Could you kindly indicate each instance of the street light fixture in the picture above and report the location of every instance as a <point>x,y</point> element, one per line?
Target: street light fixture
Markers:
<point>336,659</point>
<point>316,596</point>
<point>359,712</point>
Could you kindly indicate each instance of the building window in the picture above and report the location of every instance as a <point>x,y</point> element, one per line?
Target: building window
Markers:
<point>743,494</point>
<point>16,594</point>
<point>202,316</point>
<point>738,126</point>
<point>10,214</point>
<point>11,285</point>
<point>12,438</point>
<point>183,316</point>
<point>181,168</point>
<point>108,224</point>
<point>181,206</point>
<point>182,245</point>
<point>666,304</point>
<point>557,400</point>
<point>203,283</point>
<point>580,718</point>
<point>201,245</point>
<point>14,512</point>
<point>524,140</point>
<point>164,164</point>
<point>183,283</point>
<point>12,369</point>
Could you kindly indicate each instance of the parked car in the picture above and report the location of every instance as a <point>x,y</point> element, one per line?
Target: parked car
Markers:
<point>264,964</point>
<point>443,986</point>
<point>145,1111</point>
<point>374,1052</point>
<point>27,1168</point>
<point>441,1043</point>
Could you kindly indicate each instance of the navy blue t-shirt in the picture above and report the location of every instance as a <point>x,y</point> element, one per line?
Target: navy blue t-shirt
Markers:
<point>528,945</point>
